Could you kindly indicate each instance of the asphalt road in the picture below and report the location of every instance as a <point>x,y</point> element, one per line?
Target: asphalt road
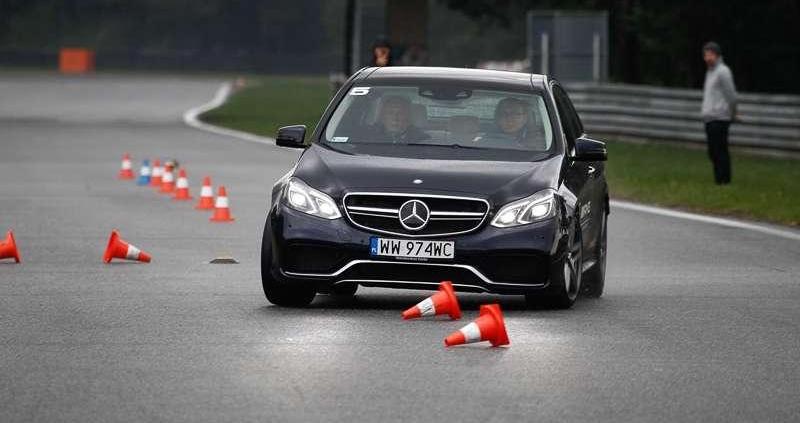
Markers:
<point>699,323</point>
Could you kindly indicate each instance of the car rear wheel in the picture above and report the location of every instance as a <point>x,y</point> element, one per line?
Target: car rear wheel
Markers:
<point>285,295</point>
<point>565,277</point>
<point>594,279</point>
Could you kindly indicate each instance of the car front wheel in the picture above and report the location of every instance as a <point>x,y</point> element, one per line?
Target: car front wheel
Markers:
<point>595,278</point>
<point>286,295</point>
<point>565,277</point>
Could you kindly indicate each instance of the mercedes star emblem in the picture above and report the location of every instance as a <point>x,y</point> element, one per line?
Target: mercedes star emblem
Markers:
<point>414,215</point>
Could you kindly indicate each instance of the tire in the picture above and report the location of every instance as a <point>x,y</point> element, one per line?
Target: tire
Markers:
<point>594,279</point>
<point>565,277</point>
<point>285,295</point>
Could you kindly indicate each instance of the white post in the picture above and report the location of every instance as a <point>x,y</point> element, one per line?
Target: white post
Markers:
<point>545,50</point>
<point>596,57</point>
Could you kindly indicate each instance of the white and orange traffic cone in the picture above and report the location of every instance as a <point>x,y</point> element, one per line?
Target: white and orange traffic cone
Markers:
<point>125,171</point>
<point>442,302</point>
<point>119,249</point>
<point>222,211</point>
<point>489,326</point>
<point>206,201</point>
<point>167,181</point>
<point>182,187</point>
<point>8,248</point>
<point>156,174</point>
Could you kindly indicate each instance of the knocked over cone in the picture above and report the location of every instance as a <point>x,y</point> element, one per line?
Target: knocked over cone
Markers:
<point>489,326</point>
<point>8,248</point>
<point>119,249</point>
<point>442,302</point>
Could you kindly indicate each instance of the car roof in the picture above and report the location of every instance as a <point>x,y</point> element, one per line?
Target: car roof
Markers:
<point>440,74</point>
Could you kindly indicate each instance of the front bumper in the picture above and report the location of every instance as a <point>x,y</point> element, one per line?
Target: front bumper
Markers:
<point>308,249</point>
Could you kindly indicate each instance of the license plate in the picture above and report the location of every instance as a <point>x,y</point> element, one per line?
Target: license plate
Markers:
<point>414,249</point>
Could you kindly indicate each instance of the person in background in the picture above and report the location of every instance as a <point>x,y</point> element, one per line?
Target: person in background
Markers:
<point>718,110</point>
<point>381,53</point>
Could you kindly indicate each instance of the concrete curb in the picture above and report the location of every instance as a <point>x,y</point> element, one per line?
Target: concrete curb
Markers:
<point>190,117</point>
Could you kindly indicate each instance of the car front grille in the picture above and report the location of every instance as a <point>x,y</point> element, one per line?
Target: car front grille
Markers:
<point>449,215</point>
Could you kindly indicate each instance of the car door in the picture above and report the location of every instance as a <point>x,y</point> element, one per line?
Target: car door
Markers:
<point>580,175</point>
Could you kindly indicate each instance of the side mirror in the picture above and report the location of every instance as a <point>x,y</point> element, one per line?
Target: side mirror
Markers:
<point>291,136</point>
<point>589,150</point>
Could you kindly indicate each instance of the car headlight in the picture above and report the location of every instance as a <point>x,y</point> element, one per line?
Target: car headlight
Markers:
<point>302,197</point>
<point>537,207</point>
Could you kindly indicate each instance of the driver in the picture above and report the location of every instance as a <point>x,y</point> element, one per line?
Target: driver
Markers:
<point>394,122</point>
<point>512,117</point>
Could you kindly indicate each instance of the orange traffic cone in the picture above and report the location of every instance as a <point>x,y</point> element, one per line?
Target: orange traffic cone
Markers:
<point>125,171</point>
<point>167,181</point>
<point>156,174</point>
<point>8,248</point>
<point>118,248</point>
<point>206,196</point>
<point>442,302</point>
<point>182,187</point>
<point>222,213</point>
<point>489,326</point>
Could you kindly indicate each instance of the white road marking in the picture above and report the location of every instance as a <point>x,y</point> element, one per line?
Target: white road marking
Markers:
<point>190,117</point>
<point>784,233</point>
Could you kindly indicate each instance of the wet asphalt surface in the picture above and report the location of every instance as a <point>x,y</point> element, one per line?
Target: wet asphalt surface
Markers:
<point>699,322</point>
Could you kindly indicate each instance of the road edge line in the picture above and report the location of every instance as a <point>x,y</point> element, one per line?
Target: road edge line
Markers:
<point>720,221</point>
<point>191,118</point>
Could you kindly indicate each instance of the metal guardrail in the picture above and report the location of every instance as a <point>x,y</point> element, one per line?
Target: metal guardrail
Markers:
<point>768,121</point>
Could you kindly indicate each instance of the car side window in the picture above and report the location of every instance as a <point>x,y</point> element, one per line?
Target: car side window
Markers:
<point>573,128</point>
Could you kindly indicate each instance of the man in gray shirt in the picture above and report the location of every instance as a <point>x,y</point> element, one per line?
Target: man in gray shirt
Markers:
<point>718,110</point>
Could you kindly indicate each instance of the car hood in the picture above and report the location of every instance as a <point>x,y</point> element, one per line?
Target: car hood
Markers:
<point>337,173</point>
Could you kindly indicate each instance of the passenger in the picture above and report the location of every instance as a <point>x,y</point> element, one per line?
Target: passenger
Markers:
<point>512,117</point>
<point>394,122</point>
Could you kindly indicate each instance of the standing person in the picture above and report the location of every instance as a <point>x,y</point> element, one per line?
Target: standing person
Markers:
<point>381,53</point>
<point>718,110</point>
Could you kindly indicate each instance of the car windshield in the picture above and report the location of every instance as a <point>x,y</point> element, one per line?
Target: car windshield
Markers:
<point>441,122</point>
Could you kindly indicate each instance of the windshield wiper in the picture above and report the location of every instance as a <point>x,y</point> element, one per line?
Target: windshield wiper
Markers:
<point>454,145</point>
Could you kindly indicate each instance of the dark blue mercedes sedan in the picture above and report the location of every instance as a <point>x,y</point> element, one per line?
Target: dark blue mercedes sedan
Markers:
<point>416,175</point>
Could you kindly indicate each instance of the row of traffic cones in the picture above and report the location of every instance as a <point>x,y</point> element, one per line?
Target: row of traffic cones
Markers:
<point>489,326</point>
<point>117,248</point>
<point>163,179</point>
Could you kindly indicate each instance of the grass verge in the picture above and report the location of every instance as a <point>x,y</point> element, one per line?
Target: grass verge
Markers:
<point>763,188</point>
<point>267,103</point>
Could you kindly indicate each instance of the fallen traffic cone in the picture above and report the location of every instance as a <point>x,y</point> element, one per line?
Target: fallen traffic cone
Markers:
<point>206,201</point>
<point>182,187</point>
<point>144,173</point>
<point>442,302</point>
<point>222,213</point>
<point>167,181</point>
<point>155,176</point>
<point>118,248</point>
<point>125,171</point>
<point>489,326</point>
<point>8,248</point>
